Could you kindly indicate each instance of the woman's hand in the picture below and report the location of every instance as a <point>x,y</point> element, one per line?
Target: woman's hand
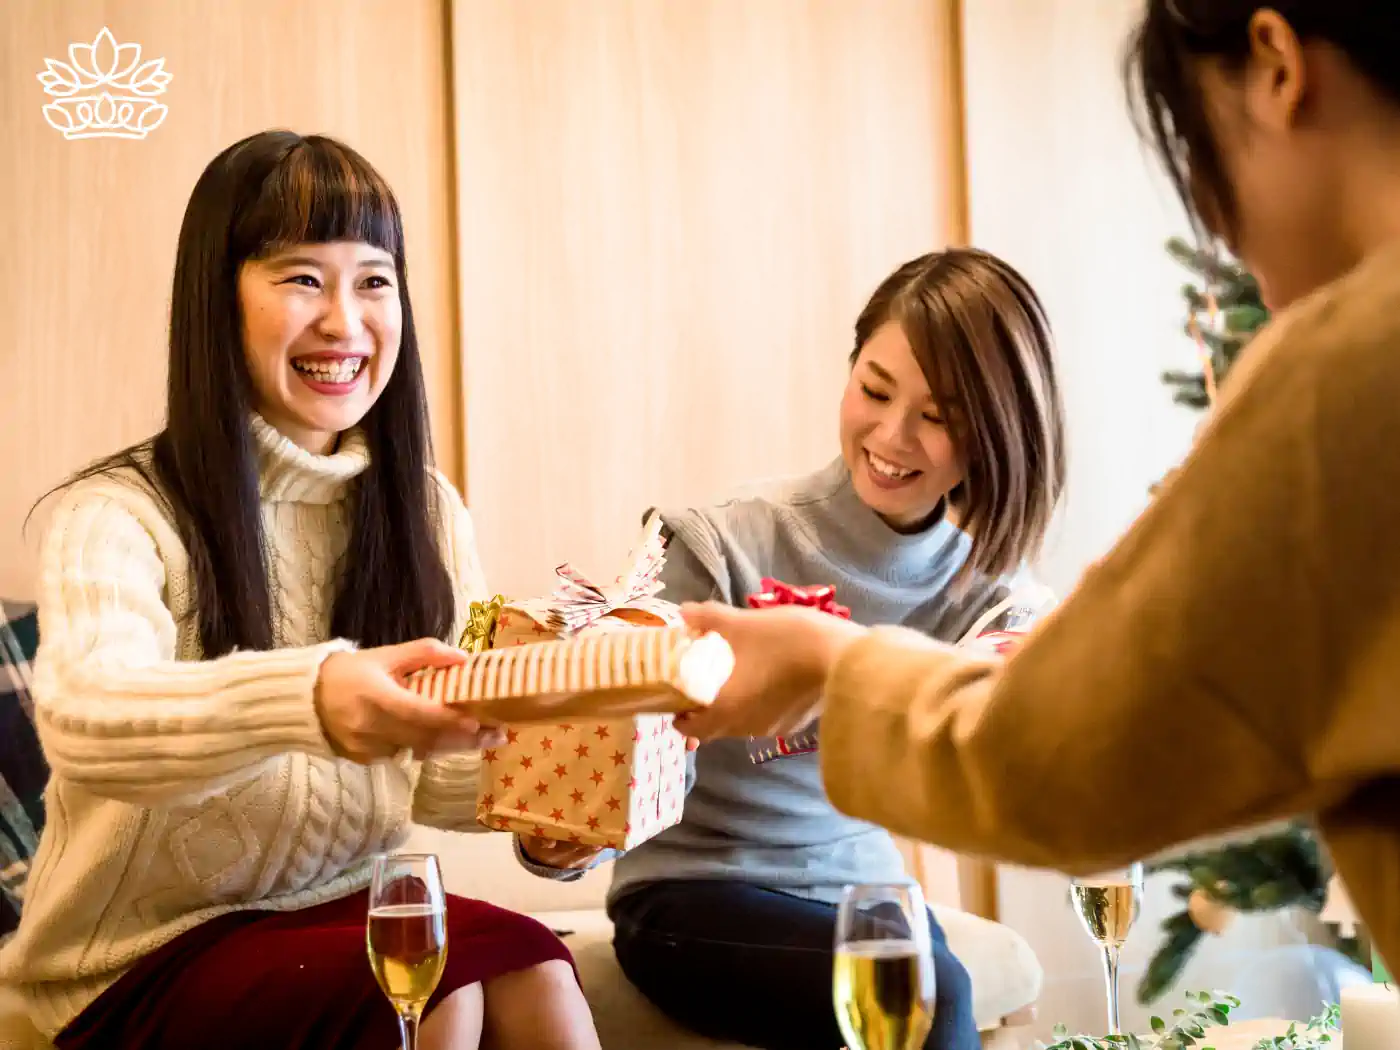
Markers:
<point>782,657</point>
<point>564,855</point>
<point>367,712</point>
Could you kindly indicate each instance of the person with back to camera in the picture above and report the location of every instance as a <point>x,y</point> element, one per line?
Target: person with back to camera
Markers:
<point>1245,633</point>
<point>951,465</point>
<point>229,613</point>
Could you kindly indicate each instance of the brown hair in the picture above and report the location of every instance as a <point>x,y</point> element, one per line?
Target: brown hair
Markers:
<point>983,342</point>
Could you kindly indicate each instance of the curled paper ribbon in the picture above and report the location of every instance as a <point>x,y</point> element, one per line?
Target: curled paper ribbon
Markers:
<point>578,602</point>
<point>821,597</point>
<point>481,625</point>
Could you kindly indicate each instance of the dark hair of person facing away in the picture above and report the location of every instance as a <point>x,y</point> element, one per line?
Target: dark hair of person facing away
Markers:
<point>268,192</point>
<point>984,345</point>
<point>1161,78</point>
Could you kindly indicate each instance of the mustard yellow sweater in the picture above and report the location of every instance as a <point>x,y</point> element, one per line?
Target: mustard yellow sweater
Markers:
<point>185,788</point>
<point>1235,659</point>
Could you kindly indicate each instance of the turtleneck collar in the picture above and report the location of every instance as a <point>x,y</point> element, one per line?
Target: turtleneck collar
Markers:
<point>287,473</point>
<point>855,533</point>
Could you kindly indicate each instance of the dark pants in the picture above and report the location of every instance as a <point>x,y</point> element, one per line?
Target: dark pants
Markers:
<point>748,965</point>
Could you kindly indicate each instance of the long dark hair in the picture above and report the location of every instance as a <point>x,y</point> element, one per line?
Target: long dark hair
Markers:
<point>267,192</point>
<point>984,345</point>
<point>1166,97</point>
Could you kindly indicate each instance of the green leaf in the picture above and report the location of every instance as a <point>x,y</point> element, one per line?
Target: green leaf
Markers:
<point>1158,1025</point>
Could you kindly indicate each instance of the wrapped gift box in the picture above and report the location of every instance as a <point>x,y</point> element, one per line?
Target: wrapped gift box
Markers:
<point>612,783</point>
<point>587,682</point>
<point>606,675</point>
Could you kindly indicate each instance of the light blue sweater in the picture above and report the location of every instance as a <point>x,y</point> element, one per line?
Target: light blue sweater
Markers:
<point>771,824</point>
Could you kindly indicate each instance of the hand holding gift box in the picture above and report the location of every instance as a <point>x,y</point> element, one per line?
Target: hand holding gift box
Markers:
<point>821,597</point>
<point>591,756</point>
<point>645,671</point>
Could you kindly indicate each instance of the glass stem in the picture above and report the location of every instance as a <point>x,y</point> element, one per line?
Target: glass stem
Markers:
<point>408,1030</point>
<point>1110,972</point>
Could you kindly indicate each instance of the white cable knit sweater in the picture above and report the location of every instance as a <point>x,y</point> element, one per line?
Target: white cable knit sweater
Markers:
<point>184,788</point>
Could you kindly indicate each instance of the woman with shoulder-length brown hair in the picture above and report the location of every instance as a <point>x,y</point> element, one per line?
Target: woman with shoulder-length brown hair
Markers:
<point>950,467</point>
<point>1236,658</point>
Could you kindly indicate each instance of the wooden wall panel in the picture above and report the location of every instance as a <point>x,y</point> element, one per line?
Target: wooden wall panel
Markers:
<point>89,227</point>
<point>670,213</point>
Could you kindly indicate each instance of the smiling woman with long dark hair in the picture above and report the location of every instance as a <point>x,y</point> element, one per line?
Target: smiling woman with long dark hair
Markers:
<point>228,614</point>
<point>1236,657</point>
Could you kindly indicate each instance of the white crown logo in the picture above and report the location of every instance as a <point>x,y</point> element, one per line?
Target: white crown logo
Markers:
<point>105,91</point>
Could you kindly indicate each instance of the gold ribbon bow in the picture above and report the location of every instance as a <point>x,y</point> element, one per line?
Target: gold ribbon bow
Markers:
<point>481,624</point>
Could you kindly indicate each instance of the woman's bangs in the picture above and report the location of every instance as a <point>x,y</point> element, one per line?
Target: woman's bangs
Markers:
<point>320,193</point>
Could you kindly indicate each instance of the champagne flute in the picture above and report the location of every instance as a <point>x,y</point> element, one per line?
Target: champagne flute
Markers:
<point>883,984</point>
<point>407,934</point>
<point>1108,904</point>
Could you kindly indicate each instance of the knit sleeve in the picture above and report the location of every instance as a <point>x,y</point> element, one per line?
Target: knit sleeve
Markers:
<point>446,792</point>
<point>118,713</point>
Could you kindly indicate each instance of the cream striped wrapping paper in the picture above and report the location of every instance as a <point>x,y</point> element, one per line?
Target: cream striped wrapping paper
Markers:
<point>608,674</point>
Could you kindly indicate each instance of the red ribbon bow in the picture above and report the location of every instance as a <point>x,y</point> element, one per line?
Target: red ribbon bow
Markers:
<point>821,597</point>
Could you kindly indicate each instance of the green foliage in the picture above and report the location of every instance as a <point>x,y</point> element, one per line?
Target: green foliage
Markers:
<point>1281,870</point>
<point>1242,313</point>
<point>1188,1028</point>
<point>1315,1035</point>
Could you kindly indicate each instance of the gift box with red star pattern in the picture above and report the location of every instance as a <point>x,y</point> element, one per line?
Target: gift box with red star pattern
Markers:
<point>599,782</point>
<point>612,783</point>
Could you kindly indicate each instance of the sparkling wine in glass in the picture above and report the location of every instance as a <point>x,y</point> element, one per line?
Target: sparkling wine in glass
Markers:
<point>407,934</point>
<point>1108,904</point>
<point>883,983</point>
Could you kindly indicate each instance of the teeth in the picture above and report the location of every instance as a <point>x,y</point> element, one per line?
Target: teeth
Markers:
<point>330,371</point>
<point>886,469</point>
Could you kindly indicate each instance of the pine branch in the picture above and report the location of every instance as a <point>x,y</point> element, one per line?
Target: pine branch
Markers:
<point>1240,312</point>
<point>1183,937</point>
<point>1282,870</point>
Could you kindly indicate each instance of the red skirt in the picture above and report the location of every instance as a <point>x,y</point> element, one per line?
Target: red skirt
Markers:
<point>299,980</point>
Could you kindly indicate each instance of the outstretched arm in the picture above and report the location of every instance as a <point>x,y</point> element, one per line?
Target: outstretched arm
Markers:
<point>1228,663</point>
<point>1232,661</point>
